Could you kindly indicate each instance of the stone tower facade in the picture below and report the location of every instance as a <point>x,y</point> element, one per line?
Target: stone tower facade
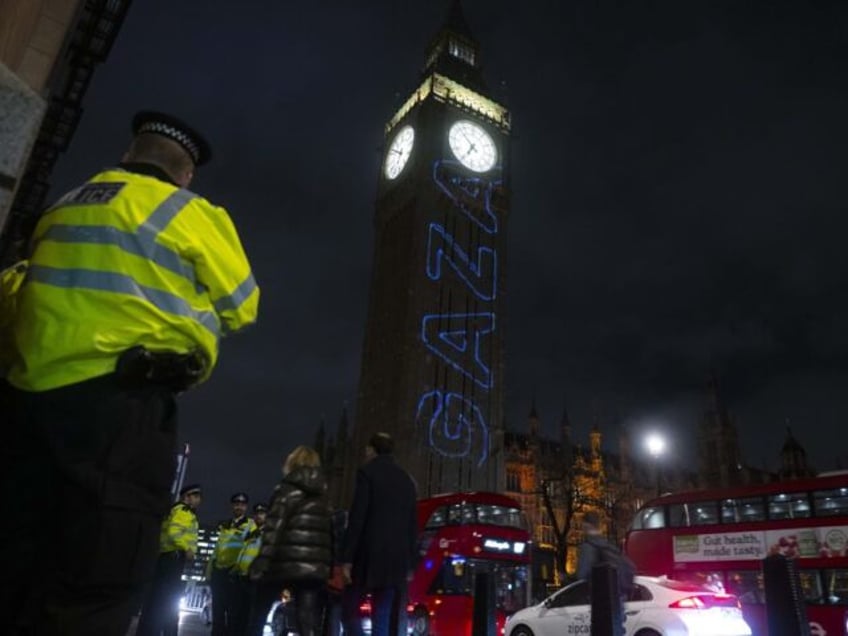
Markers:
<point>432,365</point>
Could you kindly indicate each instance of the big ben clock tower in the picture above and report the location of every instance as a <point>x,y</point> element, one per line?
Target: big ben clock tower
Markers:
<point>432,364</point>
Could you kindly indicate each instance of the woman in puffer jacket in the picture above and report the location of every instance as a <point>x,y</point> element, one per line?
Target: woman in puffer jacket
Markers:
<point>296,550</point>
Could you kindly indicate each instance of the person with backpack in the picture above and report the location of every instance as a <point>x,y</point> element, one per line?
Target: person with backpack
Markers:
<point>596,550</point>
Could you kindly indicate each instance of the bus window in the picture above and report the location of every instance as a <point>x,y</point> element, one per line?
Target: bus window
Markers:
<point>793,506</point>
<point>678,516</point>
<point>437,519</point>
<point>741,510</point>
<point>499,516</point>
<point>747,586</point>
<point>455,515</point>
<point>836,584</point>
<point>830,503</point>
<point>704,513</point>
<point>457,578</point>
<point>811,586</point>
<point>649,519</point>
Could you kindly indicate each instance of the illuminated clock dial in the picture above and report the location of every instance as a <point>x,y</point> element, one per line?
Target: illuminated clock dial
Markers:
<point>399,151</point>
<point>473,146</point>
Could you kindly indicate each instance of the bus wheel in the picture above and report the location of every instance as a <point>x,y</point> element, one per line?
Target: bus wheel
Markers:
<point>647,632</point>
<point>420,622</point>
<point>521,630</point>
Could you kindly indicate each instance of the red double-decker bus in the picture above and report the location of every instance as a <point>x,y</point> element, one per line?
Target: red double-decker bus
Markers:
<point>462,534</point>
<point>720,537</point>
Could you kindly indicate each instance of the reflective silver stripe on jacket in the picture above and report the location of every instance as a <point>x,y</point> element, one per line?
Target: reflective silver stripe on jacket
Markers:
<point>139,243</point>
<point>234,300</point>
<point>167,302</point>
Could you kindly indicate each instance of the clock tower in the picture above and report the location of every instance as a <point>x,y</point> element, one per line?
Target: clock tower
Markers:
<point>432,365</point>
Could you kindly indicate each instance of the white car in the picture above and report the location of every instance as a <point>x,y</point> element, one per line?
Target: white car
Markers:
<point>657,607</point>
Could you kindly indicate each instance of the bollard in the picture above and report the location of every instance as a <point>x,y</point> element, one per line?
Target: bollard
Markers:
<point>606,601</point>
<point>483,616</point>
<point>786,613</point>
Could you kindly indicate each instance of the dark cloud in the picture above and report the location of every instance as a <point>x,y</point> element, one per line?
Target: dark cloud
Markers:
<point>679,204</point>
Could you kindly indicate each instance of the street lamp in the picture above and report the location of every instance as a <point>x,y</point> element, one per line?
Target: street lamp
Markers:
<point>655,444</point>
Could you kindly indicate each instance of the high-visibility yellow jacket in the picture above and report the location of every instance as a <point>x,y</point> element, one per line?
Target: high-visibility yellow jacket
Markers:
<point>250,550</point>
<point>179,530</point>
<point>127,259</point>
<point>11,280</point>
<point>231,539</point>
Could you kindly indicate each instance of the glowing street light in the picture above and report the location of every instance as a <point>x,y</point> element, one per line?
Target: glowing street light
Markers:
<point>655,444</point>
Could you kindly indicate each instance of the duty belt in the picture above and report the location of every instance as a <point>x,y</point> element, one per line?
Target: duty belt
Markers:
<point>177,371</point>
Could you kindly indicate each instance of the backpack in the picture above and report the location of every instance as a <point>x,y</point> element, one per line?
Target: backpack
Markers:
<point>625,568</point>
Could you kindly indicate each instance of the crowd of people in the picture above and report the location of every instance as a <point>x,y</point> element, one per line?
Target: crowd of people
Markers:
<point>326,562</point>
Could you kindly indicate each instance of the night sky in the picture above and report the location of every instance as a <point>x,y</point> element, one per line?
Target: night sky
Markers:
<point>679,205</point>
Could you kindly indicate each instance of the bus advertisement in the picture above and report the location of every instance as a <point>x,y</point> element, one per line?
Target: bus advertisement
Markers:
<point>460,535</point>
<point>719,538</point>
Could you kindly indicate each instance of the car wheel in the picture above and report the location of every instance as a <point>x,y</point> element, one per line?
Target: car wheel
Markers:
<point>647,632</point>
<point>521,630</point>
<point>420,622</point>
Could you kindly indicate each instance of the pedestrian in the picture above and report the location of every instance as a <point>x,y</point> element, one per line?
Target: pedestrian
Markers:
<point>242,587</point>
<point>296,545</point>
<point>131,281</point>
<point>178,545</point>
<point>596,550</point>
<point>381,538</point>
<point>221,569</point>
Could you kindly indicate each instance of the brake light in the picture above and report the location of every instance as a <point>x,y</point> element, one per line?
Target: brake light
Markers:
<point>410,608</point>
<point>365,608</point>
<point>690,602</point>
<point>706,601</point>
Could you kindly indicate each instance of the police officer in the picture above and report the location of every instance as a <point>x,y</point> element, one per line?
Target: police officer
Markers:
<point>132,280</point>
<point>232,535</point>
<point>177,545</point>
<point>242,587</point>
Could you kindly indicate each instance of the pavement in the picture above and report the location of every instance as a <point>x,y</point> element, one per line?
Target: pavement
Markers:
<point>191,624</point>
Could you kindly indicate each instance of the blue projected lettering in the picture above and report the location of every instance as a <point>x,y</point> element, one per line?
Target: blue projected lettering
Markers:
<point>449,337</point>
<point>480,276</point>
<point>476,197</point>
<point>455,425</point>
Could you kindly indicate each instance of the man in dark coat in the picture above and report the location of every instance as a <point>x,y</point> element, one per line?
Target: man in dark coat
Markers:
<point>380,542</point>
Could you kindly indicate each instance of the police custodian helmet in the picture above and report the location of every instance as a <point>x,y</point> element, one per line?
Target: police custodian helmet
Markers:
<point>156,123</point>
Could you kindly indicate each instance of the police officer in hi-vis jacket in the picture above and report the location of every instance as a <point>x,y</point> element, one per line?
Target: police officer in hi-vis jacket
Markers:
<point>222,569</point>
<point>132,280</point>
<point>177,546</point>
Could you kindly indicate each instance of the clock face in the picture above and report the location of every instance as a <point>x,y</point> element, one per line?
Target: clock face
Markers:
<point>399,152</point>
<point>473,146</point>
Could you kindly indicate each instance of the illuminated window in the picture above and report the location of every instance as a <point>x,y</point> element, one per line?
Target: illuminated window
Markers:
<point>462,51</point>
<point>747,586</point>
<point>830,503</point>
<point>513,481</point>
<point>649,519</point>
<point>789,506</point>
<point>437,519</point>
<point>741,510</point>
<point>836,583</point>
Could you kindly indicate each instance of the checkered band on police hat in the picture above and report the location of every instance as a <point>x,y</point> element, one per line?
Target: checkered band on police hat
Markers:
<point>156,123</point>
